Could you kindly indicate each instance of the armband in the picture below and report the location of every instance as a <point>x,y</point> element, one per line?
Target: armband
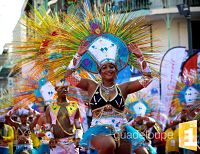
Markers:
<point>73,79</point>
<point>73,65</point>
<point>145,81</point>
<point>78,133</point>
<point>147,68</point>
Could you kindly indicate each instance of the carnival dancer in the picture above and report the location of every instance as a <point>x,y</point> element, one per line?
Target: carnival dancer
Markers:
<point>62,117</point>
<point>24,129</point>
<point>107,98</point>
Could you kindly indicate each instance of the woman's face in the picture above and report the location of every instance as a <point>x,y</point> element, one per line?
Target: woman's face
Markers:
<point>108,72</point>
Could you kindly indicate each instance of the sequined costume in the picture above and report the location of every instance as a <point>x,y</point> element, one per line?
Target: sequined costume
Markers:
<point>109,119</point>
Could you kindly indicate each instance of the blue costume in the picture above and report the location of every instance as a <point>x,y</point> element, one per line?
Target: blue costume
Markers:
<point>110,121</point>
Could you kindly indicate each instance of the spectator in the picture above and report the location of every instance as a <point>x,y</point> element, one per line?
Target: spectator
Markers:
<point>6,137</point>
<point>172,139</point>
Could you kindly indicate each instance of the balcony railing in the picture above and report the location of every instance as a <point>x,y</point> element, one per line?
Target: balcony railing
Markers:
<point>195,2</point>
<point>134,5</point>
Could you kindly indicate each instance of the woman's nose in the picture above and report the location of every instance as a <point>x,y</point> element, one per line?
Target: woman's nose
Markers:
<point>110,69</point>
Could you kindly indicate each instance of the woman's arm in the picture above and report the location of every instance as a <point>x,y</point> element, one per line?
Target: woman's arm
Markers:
<point>133,86</point>
<point>34,123</point>
<point>10,121</point>
<point>79,131</point>
<point>74,77</point>
<point>48,119</point>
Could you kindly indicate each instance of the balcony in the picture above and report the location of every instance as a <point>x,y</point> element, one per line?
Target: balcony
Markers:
<point>135,5</point>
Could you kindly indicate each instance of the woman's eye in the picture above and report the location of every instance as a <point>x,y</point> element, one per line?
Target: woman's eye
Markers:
<point>103,68</point>
<point>112,67</point>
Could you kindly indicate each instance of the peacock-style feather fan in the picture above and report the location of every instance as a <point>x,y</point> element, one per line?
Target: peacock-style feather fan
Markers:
<point>186,95</point>
<point>187,92</point>
<point>143,104</point>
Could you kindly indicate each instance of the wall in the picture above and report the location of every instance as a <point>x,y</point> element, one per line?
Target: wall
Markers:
<point>178,33</point>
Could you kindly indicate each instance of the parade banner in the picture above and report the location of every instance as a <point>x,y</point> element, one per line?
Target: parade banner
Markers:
<point>170,69</point>
<point>187,90</point>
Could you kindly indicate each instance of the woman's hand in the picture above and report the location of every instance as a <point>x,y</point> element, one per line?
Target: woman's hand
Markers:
<point>83,47</point>
<point>77,140</point>
<point>133,48</point>
<point>52,143</point>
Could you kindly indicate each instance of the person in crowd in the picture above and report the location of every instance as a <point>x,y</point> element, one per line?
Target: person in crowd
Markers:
<point>172,139</point>
<point>41,132</point>
<point>144,125</point>
<point>14,118</point>
<point>6,137</point>
<point>158,140</point>
<point>24,129</point>
<point>62,117</point>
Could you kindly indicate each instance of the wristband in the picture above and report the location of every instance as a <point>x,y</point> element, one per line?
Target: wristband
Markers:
<point>74,63</point>
<point>145,81</point>
<point>147,69</point>
<point>78,133</point>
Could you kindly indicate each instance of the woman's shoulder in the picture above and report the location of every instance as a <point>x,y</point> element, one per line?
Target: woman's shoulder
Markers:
<point>94,83</point>
<point>122,85</point>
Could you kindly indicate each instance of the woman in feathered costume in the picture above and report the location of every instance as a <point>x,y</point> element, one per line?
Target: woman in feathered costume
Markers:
<point>103,41</point>
<point>105,53</point>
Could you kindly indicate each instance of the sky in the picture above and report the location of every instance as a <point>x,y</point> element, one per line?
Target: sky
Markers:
<point>10,11</point>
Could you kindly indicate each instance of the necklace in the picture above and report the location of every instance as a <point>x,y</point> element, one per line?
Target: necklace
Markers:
<point>107,90</point>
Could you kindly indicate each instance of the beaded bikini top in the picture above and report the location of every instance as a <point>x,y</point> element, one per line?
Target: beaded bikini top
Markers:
<point>98,101</point>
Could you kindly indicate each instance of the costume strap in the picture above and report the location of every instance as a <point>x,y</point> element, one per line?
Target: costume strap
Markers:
<point>63,128</point>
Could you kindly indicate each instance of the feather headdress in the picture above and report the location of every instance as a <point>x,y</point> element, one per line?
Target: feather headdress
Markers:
<point>53,39</point>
